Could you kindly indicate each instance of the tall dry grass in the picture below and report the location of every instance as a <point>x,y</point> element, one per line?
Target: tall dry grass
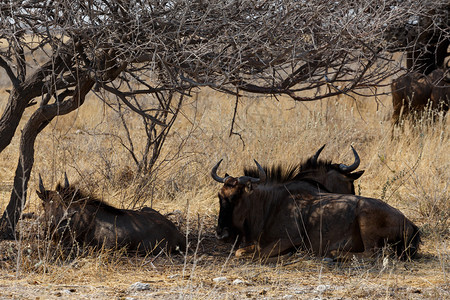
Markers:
<point>409,171</point>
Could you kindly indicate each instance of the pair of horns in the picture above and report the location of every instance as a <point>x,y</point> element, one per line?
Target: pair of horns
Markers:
<point>41,183</point>
<point>242,179</point>
<point>342,167</point>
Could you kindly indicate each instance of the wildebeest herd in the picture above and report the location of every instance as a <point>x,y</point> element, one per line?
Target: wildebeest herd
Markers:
<point>269,211</point>
<point>312,207</point>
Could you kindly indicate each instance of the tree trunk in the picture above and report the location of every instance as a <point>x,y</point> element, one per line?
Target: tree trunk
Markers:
<point>38,121</point>
<point>21,96</point>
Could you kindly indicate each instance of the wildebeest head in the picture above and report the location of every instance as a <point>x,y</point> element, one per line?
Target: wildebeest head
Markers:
<point>56,204</point>
<point>233,189</point>
<point>68,211</point>
<point>335,178</point>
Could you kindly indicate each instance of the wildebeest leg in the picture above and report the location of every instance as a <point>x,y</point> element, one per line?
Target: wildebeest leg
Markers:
<point>273,249</point>
<point>346,245</point>
<point>245,250</point>
<point>279,247</point>
<point>397,116</point>
<point>373,233</point>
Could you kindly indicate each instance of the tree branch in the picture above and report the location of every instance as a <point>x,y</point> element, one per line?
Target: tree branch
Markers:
<point>14,80</point>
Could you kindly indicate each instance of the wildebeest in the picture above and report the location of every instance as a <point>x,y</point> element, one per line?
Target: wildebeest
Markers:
<point>278,218</point>
<point>313,175</point>
<point>325,175</point>
<point>74,216</point>
<point>440,94</point>
<point>412,92</point>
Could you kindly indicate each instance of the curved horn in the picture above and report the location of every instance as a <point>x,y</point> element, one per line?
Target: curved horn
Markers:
<point>348,169</point>
<point>66,181</point>
<point>262,173</point>
<point>316,156</point>
<point>214,173</point>
<point>41,185</point>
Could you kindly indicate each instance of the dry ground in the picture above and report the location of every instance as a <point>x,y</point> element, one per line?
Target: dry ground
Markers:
<point>410,172</point>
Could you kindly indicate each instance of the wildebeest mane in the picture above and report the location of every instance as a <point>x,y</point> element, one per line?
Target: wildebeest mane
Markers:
<point>283,174</point>
<point>274,173</point>
<point>73,195</point>
<point>312,164</point>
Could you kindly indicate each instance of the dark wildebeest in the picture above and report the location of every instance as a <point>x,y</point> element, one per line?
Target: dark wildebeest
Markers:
<point>440,94</point>
<point>412,92</point>
<point>73,216</point>
<point>313,175</point>
<point>277,218</point>
<point>324,175</point>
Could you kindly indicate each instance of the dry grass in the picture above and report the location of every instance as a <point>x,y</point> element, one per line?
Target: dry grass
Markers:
<point>410,172</point>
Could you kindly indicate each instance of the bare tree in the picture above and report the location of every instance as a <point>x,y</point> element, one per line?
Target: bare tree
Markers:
<point>307,50</point>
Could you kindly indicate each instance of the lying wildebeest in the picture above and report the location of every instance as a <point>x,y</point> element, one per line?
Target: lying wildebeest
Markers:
<point>412,92</point>
<point>325,175</point>
<point>74,216</point>
<point>313,175</point>
<point>277,218</point>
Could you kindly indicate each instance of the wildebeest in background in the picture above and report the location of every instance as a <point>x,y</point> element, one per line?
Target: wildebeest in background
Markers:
<point>73,216</point>
<point>275,218</point>
<point>440,94</point>
<point>412,92</point>
<point>325,175</point>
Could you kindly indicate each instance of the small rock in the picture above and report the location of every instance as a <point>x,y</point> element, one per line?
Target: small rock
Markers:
<point>327,260</point>
<point>139,286</point>
<point>220,279</point>
<point>300,291</point>
<point>238,281</point>
<point>321,288</point>
<point>385,262</point>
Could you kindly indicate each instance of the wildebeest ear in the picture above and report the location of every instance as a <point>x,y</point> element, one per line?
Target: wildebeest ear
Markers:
<point>59,188</point>
<point>356,175</point>
<point>42,195</point>
<point>248,187</point>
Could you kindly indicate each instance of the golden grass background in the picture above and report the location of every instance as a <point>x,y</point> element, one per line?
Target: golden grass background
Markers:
<point>410,172</point>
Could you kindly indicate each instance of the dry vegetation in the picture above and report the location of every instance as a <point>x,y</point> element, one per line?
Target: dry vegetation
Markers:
<point>409,172</point>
